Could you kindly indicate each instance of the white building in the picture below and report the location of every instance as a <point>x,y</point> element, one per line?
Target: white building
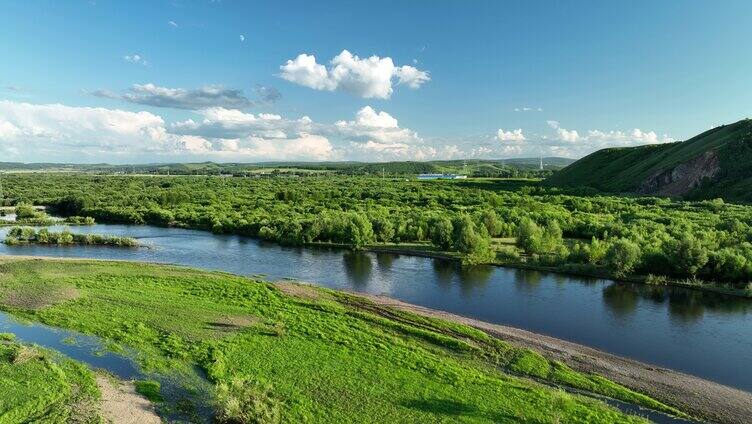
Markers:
<point>441,177</point>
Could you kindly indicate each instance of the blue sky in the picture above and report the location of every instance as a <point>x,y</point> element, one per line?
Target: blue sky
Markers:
<point>152,81</point>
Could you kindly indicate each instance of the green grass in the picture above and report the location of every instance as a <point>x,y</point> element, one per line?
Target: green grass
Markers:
<point>323,356</point>
<point>39,386</point>
<point>150,389</point>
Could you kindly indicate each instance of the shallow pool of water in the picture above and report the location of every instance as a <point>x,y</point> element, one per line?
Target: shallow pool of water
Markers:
<point>175,388</point>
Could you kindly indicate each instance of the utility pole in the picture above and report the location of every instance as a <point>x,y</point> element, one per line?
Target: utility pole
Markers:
<point>541,163</point>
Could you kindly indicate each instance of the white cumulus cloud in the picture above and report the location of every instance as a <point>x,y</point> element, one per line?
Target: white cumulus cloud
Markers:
<point>371,77</point>
<point>515,135</point>
<point>372,127</point>
<point>564,134</point>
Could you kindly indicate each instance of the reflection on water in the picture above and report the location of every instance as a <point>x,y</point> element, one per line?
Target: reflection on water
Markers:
<point>469,278</point>
<point>621,299</point>
<point>706,334</point>
<point>682,305</point>
<point>473,279</point>
<point>527,281</point>
<point>384,261</point>
<point>358,268</point>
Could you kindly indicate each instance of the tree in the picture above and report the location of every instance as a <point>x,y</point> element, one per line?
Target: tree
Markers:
<point>69,205</point>
<point>529,236</point>
<point>731,265</point>
<point>491,221</point>
<point>65,237</point>
<point>622,257</point>
<point>267,233</point>
<point>440,233</point>
<point>552,239</point>
<point>463,235</point>
<point>383,229</point>
<point>687,255</point>
<point>597,250</point>
<point>474,243</point>
<point>291,233</point>
<point>359,231</point>
<point>26,211</point>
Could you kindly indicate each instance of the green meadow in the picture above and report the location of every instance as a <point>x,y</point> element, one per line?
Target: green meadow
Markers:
<point>282,353</point>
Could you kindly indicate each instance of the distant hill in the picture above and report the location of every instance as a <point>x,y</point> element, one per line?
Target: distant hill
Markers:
<point>716,163</point>
<point>518,167</point>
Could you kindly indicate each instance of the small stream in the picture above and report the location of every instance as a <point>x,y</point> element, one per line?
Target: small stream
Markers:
<point>90,350</point>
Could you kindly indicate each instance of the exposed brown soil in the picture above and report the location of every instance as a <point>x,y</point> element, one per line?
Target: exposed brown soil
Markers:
<point>121,404</point>
<point>23,299</point>
<point>229,323</point>
<point>682,178</point>
<point>701,398</point>
<point>300,290</point>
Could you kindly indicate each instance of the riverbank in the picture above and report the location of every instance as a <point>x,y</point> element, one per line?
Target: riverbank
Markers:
<point>424,252</point>
<point>360,363</point>
<point>702,398</point>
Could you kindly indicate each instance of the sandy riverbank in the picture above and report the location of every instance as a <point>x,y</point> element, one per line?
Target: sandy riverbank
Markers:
<point>702,398</point>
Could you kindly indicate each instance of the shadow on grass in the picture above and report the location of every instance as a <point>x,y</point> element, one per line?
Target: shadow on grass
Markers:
<point>456,409</point>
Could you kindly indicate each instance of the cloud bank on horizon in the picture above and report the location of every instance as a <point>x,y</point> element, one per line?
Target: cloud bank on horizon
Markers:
<point>222,133</point>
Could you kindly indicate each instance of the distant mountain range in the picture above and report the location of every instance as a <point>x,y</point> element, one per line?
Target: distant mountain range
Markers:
<point>714,164</point>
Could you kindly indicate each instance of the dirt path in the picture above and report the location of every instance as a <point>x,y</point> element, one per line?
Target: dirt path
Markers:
<point>122,405</point>
<point>702,398</point>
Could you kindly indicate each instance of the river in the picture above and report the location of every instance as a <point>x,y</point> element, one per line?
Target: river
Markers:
<point>704,334</point>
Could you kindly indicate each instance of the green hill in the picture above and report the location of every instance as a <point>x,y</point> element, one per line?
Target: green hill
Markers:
<point>716,163</point>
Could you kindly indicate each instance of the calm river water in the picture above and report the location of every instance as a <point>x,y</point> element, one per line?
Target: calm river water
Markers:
<point>703,334</point>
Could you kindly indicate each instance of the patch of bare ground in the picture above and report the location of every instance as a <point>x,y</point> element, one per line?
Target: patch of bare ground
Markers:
<point>300,290</point>
<point>121,404</point>
<point>701,398</point>
<point>35,300</point>
<point>230,323</point>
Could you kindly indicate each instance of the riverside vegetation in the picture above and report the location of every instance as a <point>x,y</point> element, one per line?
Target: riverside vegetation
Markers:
<point>26,214</point>
<point>41,386</point>
<point>29,235</point>
<point>508,222</point>
<point>286,352</point>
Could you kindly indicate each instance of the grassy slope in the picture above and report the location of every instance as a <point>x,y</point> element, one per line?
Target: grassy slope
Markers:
<point>38,386</point>
<point>329,357</point>
<point>624,169</point>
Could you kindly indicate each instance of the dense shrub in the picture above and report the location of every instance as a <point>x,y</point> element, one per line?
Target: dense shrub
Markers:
<point>622,256</point>
<point>243,401</point>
